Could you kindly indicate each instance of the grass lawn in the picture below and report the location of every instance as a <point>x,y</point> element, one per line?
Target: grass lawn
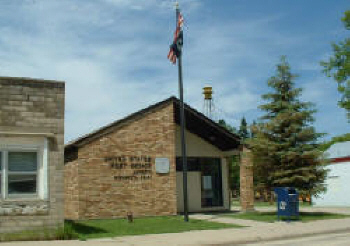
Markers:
<point>272,216</point>
<point>149,225</point>
<point>38,235</point>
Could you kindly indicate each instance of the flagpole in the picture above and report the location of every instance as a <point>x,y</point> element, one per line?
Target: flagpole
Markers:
<point>182,122</point>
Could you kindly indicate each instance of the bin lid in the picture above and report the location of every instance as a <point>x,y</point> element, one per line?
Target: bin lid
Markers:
<point>288,190</point>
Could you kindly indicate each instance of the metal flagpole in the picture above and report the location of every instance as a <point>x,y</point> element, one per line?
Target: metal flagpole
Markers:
<point>182,122</point>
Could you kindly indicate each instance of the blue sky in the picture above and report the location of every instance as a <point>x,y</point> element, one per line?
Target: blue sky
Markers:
<point>112,54</point>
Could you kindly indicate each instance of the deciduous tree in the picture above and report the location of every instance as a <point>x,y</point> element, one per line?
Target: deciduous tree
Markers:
<point>338,66</point>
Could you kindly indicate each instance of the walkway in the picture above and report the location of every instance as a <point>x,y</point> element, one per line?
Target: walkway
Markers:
<point>227,220</point>
<point>337,210</point>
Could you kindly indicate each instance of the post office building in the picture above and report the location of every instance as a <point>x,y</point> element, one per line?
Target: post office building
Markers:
<point>134,165</point>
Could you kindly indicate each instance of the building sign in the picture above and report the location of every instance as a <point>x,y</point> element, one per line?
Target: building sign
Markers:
<point>162,165</point>
<point>138,167</point>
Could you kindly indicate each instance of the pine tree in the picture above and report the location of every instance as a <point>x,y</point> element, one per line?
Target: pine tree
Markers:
<point>284,147</point>
<point>230,128</point>
<point>243,129</point>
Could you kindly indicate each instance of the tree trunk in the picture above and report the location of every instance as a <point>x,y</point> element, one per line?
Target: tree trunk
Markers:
<point>272,198</point>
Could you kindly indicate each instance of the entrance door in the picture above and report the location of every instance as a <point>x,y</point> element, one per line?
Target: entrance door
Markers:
<point>211,182</point>
<point>204,182</point>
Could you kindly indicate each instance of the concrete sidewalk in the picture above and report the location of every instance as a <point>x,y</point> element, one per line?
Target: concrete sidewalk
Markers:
<point>227,220</point>
<point>255,233</point>
<point>336,210</point>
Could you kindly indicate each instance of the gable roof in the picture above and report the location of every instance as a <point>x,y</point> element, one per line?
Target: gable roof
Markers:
<point>206,128</point>
<point>339,152</point>
<point>196,123</point>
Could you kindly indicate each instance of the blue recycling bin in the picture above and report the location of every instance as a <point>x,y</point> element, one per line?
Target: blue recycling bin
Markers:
<point>287,202</point>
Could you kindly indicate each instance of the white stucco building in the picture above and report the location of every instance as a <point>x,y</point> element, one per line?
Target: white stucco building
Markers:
<point>338,180</point>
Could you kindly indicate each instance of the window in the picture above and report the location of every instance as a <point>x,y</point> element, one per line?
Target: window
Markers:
<point>24,169</point>
<point>22,173</point>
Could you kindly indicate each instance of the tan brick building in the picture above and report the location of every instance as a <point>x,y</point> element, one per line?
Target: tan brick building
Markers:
<point>31,154</point>
<point>134,165</point>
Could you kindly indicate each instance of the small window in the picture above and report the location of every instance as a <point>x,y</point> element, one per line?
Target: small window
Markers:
<point>22,173</point>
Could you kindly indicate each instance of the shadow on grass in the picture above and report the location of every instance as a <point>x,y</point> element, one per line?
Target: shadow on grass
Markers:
<point>272,216</point>
<point>85,229</point>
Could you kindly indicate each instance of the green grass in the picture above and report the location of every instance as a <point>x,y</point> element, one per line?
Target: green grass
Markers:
<point>272,216</point>
<point>149,225</point>
<point>61,233</point>
<point>27,236</point>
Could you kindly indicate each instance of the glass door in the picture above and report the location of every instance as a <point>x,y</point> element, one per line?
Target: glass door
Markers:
<point>211,182</point>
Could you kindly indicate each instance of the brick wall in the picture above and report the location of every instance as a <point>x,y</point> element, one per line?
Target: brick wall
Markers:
<point>97,193</point>
<point>71,193</point>
<point>33,107</point>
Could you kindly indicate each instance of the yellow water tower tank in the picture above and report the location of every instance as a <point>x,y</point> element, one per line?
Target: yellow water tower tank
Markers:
<point>208,92</point>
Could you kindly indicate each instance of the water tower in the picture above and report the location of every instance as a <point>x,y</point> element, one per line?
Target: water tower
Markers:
<point>208,108</point>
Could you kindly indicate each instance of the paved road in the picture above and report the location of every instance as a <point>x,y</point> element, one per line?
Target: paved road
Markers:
<point>341,239</point>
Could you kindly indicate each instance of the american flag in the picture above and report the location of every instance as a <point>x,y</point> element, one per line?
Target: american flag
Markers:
<point>176,46</point>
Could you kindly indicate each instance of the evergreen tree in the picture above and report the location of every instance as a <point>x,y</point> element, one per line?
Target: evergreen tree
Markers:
<point>243,129</point>
<point>284,147</point>
<point>223,123</point>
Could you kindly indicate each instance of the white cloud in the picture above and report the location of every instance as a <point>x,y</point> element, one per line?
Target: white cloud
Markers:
<point>112,55</point>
